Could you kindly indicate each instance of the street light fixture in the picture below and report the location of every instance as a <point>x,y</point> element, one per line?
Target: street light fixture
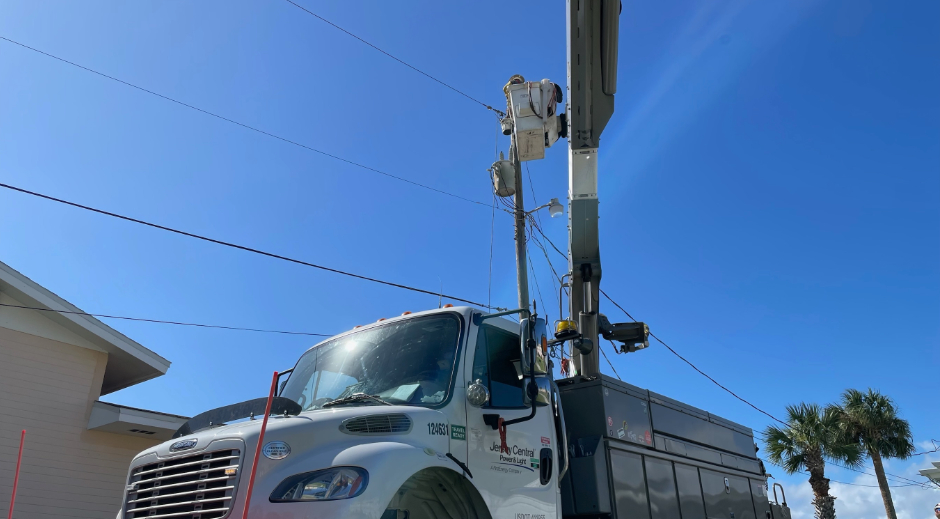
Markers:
<point>554,208</point>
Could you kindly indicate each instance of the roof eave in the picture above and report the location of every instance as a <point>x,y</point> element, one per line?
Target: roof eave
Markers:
<point>129,362</point>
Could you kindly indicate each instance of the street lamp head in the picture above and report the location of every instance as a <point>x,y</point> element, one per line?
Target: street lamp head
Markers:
<point>555,208</point>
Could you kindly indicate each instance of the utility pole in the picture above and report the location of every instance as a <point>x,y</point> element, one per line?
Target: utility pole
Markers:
<point>593,27</point>
<point>522,278</point>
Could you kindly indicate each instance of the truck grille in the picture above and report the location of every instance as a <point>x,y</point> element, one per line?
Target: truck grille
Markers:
<point>198,486</point>
<point>377,424</point>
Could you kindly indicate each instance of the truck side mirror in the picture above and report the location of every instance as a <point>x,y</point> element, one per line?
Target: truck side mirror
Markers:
<point>533,344</point>
<point>540,390</point>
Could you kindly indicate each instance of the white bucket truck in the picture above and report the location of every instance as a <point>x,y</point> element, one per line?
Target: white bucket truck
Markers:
<point>426,415</point>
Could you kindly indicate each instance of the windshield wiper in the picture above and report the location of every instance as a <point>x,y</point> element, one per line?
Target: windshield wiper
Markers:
<point>356,397</point>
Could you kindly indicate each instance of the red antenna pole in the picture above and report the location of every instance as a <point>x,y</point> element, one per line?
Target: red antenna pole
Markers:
<point>254,464</point>
<point>16,478</point>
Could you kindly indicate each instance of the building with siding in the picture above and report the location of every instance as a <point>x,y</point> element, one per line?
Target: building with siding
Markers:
<point>54,367</point>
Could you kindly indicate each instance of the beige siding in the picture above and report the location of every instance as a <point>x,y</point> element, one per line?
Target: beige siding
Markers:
<point>48,387</point>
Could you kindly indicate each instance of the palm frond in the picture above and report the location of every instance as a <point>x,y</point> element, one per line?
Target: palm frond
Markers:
<point>810,430</point>
<point>871,420</point>
<point>794,464</point>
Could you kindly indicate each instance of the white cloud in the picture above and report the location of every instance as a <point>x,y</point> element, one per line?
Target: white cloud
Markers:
<point>858,502</point>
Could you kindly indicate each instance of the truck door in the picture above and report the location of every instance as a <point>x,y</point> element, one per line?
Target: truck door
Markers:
<point>523,481</point>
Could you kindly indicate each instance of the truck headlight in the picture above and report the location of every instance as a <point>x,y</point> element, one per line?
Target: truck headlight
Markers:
<point>322,485</point>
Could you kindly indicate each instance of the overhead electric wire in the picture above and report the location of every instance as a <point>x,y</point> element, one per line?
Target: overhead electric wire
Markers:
<point>535,202</point>
<point>674,352</point>
<point>611,365</point>
<point>732,393</point>
<point>249,127</point>
<point>902,479</point>
<point>158,321</point>
<point>242,247</point>
<point>693,366</point>
<point>887,474</point>
<point>739,397</point>
<point>915,484</point>
<point>935,449</point>
<point>553,244</point>
<point>403,62</point>
<point>359,165</point>
<point>555,278</point>
<point>536,279</point>
<point>532,222</point>
<point>538,242</point>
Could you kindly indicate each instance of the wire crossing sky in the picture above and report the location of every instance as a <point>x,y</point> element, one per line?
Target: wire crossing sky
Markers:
<point>235,246</point>
<point>243,125</point>
<point>768,184</point>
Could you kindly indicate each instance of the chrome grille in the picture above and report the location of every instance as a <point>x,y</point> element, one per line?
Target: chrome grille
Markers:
<point>187,487</point>
<point>377,424</point>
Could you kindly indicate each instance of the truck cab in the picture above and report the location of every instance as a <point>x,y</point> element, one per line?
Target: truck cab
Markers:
<point>435,414</point>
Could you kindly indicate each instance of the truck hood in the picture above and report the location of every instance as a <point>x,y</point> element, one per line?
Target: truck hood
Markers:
<point>312,429</point>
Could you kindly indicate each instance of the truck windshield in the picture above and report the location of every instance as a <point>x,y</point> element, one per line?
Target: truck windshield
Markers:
<point>404,362</point>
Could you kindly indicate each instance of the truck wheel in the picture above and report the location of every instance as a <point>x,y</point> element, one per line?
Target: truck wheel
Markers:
<point>436,494</point>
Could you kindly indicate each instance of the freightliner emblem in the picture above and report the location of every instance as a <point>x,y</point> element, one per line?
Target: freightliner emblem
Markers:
<point>183,445</point>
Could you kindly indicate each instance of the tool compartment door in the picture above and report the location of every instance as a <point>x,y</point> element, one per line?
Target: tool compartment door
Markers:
<point>726,496</point>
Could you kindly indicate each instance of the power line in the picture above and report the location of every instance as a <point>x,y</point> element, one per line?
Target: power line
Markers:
<point>535,202</point>
<point>249,127</point>
<point>735,394</point>
<point>611,365</point>
<point>106,316</point>
<point>242,247</point>
<point>535,226</point>
<point>902,478</point>
<point>732,393</point>
<point>403,62</point>
<point>538,242</point>
<point>536,279</point>
<point>876,486</point>
<point>552,244</point>
<point>362,166</point>
<point>706,375</point>
<point>532,223</point>
<point>915,484</point>
<point>936,448</point>
<point>555,279</point>
<point>887,474</point>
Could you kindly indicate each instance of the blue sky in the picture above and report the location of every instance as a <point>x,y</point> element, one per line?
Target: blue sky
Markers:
<point>769,185</point>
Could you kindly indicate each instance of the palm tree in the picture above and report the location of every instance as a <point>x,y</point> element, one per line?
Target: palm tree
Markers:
<point>811,436</point>
<point>871,421</point>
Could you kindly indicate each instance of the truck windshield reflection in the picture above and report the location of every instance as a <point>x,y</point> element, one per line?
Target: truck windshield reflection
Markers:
<point>404,363</point>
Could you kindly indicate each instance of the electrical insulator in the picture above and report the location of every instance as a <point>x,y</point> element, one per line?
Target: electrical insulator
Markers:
<point>536,124</point>
<point>504,177</point>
